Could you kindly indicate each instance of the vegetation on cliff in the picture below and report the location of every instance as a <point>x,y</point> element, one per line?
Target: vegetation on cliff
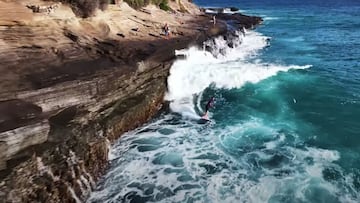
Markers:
<point>86,8</point>
<point>163,4</point>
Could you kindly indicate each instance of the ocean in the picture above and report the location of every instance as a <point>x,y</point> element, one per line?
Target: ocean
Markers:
<point>285,126</point>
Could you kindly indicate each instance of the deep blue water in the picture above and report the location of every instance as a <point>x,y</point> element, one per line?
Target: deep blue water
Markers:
<point>281,131</point>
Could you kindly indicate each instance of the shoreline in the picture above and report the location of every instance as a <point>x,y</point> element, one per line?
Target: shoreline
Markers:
<point>58,121</point>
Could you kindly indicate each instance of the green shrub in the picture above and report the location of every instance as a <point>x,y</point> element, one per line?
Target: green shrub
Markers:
<point>163,4</point>
<point>86,8</point>
<point>158,2</point>
<point>136,4</point>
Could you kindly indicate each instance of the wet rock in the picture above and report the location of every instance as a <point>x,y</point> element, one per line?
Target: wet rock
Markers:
<point>239,20</point>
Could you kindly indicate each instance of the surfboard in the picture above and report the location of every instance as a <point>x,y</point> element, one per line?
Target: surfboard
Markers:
<point>203,120</point>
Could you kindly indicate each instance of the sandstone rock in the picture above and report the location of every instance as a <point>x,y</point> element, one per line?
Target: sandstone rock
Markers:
<point>13,141</point>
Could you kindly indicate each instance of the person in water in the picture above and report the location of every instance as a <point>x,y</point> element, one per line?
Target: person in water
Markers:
<point>209,105</point>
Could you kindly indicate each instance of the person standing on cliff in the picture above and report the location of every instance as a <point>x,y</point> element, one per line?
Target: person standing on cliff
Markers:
<point>166,30</point>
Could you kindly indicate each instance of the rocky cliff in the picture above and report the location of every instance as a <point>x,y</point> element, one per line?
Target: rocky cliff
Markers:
<point>70,87</point>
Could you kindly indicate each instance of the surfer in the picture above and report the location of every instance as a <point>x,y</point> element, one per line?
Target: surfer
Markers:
<point>209,105</point>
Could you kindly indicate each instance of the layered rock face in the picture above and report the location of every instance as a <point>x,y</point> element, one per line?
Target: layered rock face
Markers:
<point>70,87</point>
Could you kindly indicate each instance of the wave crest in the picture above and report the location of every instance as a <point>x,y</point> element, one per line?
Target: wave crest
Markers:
<point>228,63</point>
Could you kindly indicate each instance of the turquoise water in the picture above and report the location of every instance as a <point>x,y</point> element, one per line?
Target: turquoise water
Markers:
<point>286,121</point>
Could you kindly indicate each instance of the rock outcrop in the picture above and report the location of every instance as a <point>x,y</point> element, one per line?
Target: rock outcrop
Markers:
<point>70,87</point>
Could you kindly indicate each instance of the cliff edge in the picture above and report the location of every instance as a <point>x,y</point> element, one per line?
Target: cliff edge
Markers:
<point>70,86</point>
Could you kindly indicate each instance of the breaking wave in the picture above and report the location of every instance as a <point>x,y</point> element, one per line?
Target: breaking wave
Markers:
<point>224,67</point>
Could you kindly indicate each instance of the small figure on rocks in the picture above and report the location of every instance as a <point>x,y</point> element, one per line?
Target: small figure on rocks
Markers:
<point>166,30</point>
<point>214,19</point>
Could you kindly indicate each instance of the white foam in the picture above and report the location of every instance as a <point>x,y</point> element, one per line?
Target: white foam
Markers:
<point>224,10</point>
<point>228,11</point>
<point>321,155</point>
<point>263,191</point>
<point>210,11</point>
<point>266,18</point>
<point>240,184</point>
<point>275,143</point>
<point>225,67</point>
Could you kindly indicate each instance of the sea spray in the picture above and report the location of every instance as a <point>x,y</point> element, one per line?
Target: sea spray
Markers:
<point>225,67</point>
